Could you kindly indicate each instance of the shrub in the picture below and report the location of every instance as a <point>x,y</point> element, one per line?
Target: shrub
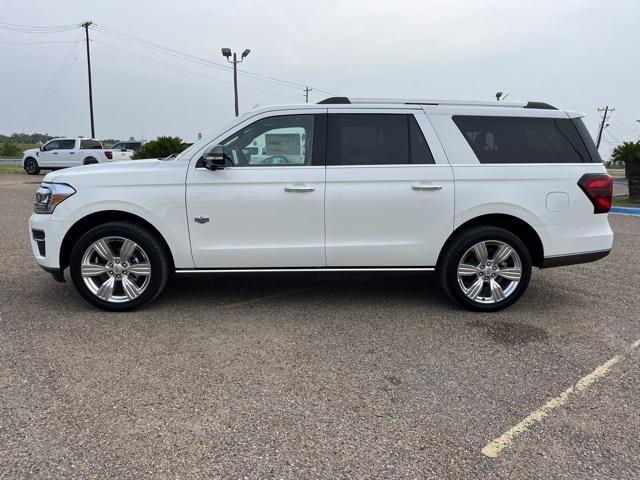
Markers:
<point>160,147</point>
<point>628,152</point>
<point>10,150</point>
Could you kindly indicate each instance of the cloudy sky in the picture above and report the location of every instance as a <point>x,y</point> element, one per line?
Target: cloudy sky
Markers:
<point>575,54</point>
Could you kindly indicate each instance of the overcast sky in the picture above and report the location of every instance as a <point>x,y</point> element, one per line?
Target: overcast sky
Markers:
<point>575,54</point>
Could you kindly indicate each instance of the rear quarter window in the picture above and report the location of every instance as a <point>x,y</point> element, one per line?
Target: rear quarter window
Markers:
<point>523,139</point>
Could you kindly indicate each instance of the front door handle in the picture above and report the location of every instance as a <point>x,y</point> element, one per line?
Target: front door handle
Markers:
<point>426,187</point>
<point>201,219</point>
<point>55,153</point>
<point>299,188</point>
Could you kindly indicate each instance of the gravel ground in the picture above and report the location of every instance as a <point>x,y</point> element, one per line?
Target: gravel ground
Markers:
<point>309,376</point>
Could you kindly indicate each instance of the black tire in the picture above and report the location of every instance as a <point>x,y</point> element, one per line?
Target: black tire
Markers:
<point>31,166</point>
<point>155,250</point>
<point>460,245</point>
<point>90,161</point>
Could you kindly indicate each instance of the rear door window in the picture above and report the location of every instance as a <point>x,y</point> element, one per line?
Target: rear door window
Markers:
<point>376,139</point>
<point>523,139</point>
<point>66,144</point>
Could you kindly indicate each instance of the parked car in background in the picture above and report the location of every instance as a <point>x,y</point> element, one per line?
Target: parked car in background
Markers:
<point>125,150</point>
<point>479,192</point>
<point>69,152</point>
<point>133,146</point>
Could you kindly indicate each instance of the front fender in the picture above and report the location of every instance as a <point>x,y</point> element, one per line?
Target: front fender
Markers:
<point>168,218</point>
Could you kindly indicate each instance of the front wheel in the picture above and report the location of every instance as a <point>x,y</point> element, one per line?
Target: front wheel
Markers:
<point>119,266</point>
<point>31,166</point>
<point>485,269</point>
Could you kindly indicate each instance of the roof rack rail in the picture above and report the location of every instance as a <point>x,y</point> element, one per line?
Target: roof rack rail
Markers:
<point>412,101</point>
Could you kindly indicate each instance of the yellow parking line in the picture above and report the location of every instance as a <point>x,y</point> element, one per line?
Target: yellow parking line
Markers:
<point>493,448</point>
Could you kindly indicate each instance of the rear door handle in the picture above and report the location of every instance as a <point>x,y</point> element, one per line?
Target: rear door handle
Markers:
<point>55,153</point>
<point>426,187</point>
<point>299,188</point>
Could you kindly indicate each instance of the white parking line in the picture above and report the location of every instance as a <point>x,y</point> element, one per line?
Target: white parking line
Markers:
<point>493,449</point>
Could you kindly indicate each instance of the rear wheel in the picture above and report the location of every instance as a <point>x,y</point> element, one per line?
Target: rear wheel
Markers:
<point>90,161</point>
<point>119,266</point>
<point>485,269</point>
<point>31,166</point>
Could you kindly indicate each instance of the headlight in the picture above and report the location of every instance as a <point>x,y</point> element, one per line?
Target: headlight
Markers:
<point>49,195</point>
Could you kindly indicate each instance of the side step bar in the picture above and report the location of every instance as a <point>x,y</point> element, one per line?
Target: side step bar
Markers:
<point>289,270</point>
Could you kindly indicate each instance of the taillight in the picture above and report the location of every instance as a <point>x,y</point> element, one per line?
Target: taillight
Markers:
<point>599,188</point>
<point>108,154</point>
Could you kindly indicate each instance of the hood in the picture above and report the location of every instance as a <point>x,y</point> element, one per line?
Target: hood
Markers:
<point>32,152</point>
<point>101,173</point>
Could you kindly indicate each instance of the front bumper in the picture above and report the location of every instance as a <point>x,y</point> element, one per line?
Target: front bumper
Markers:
<point>46,239</point>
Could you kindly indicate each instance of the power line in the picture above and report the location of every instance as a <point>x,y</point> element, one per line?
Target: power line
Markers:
<point>37,29</point>
<point>189,57</point>
<point>54,84</point>
<point>184,70</point>
<point>36,43</point>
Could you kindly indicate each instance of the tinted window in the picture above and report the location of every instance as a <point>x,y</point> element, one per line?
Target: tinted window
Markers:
<point>66,144</point>
<point>118,146</point>
<point>52,145</point>
<point>419,149</point>
<point>375,139</point>
<point>90,145</point>
<point>588,141</point>
<point>135,146</point>
<point>523,140</point>
<point>275,141</point>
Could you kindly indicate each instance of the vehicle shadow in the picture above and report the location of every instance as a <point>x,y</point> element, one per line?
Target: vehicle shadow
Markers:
<point>237,290</point>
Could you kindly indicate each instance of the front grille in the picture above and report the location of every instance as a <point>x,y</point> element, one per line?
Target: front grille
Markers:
<point>38,236</point>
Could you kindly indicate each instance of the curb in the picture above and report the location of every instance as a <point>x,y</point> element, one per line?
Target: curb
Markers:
<point>625,210</point>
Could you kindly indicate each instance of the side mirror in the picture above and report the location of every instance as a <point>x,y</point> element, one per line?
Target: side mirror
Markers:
<point>123,149</point>
<point>215,159</point>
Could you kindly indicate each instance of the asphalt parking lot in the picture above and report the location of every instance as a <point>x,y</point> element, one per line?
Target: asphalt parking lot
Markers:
<point>308,376</point>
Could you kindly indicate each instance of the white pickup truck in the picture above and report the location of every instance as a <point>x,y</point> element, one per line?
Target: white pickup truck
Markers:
<point>70,152</point>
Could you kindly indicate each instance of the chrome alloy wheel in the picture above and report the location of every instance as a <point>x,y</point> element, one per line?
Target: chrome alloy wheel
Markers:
<point>115,269</point>
<point>489,272</point>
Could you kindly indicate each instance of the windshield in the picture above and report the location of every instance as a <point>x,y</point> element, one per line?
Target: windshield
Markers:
<point>191,150</point>
<point>206,140</point>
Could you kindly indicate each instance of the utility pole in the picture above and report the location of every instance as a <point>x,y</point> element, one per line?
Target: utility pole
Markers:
<point>226,52</point>
<point>606,111</point>
<point>306,94</point>
<point>86,32</point>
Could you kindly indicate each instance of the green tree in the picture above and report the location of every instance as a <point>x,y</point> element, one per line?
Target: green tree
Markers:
<point>629,153</point>
<point>160,147</point>
<point>10,150</point>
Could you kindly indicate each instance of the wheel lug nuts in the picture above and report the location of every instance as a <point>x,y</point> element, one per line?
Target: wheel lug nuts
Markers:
<point>118,276</point>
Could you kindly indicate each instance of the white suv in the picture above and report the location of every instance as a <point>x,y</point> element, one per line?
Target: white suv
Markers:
<point>68,152</point>
<point>478,192</point>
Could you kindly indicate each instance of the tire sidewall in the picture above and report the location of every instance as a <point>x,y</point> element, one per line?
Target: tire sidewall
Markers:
<point>462,244</point>
<point>33,161</point>
<point>135,233</point>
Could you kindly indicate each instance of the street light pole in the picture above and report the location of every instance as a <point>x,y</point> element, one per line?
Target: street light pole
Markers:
<point>226,52</point>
